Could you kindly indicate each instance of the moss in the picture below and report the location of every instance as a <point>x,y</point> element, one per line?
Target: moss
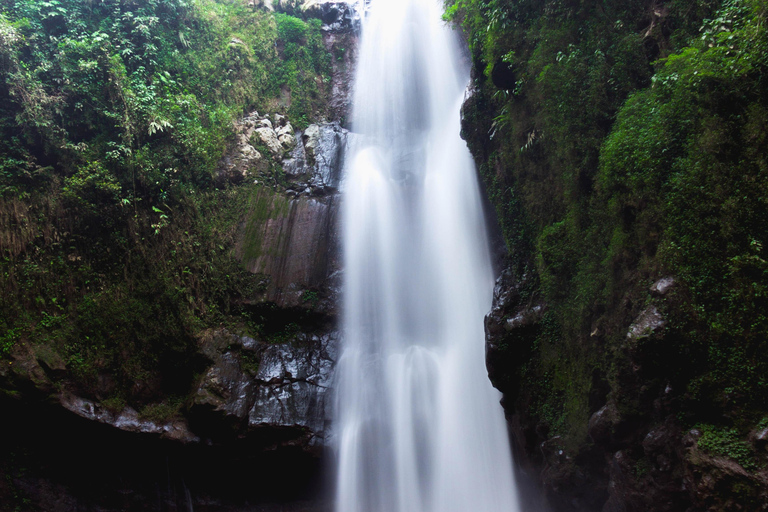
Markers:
<point>8,340</point>
<point>726,442</point>
<point>163,411</point>
<point>309,298</point>
<point>115,404</point>
<point>265,205</point>
<point>250,362</point>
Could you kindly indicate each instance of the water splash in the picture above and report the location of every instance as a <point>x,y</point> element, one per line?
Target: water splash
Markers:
<point>419,426</point>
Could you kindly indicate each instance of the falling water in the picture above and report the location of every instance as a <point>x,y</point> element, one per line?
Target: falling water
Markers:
<point>419,426</point>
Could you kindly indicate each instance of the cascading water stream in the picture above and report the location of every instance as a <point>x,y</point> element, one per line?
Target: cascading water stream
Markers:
<point>419,426</point>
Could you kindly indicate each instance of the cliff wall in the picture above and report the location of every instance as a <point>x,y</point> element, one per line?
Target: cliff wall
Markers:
<point>622,147</point>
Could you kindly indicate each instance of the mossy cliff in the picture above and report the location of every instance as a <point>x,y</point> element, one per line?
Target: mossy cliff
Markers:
<point>168,181</point>
<point>623,147</point>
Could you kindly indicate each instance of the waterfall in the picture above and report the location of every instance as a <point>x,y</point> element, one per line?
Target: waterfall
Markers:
<point>419,427</point>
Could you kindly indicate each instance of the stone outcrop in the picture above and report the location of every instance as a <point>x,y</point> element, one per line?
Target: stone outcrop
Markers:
<point>128,419</point>
<point>290,236</point>
<point>292,242</point>
<point>314,167</point>
<point>336,15</point>
<point>510,330</point>
<point>294,387</point>
<point>647,323</point>
<point>243,160</point>
<point>278,393</point>
<point>343,46</point>
<point>637,455</point>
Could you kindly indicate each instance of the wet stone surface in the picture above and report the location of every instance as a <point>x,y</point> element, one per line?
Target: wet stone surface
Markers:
<point>259,387</point>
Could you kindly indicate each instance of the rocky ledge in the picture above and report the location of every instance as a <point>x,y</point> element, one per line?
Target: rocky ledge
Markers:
<point>635,454</point>
<point>277,392</point>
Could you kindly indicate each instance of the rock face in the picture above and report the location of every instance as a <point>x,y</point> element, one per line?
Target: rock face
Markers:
<point>314,167</point>
<point>243,161</point>
<point>293,244</point>
<point>128,419</point>
<point>291,237</point>
<point>336,15</point>
<point>646,324</point>
<point>510,330</point>
<point>294,387</point>
<point>637,455</point>
<point>278,393</point>
<point>254,426</point>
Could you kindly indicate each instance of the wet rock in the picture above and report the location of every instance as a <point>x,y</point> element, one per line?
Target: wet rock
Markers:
<point>647,323</point>
<point>311,139</point>
<point>603,422</point>
<point>759,438</point>
<point>242,160</point>
<point>713,481</point>
<point>263,4</point>
<point>476,126</point>
<point>552,450</point>
<point>295,245</point>
<point>249,156</point>
<point>336,15</point>
<point>283,395</point>
<point>656,441</point>
<point>343,46</point>
<point>127,419</point>
<point>659,446</point>
<point>294,383</point>
<point>525,317</point>
<point>225,387</point>
<point>663,286</point>
<point>24,368</point>
<point>316,163</point>
<point>51,362</point>
<point>510,329</point>
<point>506,298</point>
<point>284,134</point>
<point>620,484</point>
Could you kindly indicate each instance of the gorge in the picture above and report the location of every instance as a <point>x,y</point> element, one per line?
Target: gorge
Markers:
<point>187,197</point>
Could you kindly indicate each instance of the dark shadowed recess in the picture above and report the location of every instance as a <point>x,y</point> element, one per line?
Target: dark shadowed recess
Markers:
<point>54,461</point>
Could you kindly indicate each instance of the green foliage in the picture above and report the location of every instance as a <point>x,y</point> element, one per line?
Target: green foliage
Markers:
<point>149,89</point>
<point>309,298</point>
<point>631,146</point>
<point>306,67</point>
<point>162,411</point>
<point>726,442</point>
<point>8,340</point>
<point>116,246</point>
<point>686,158</point>
<point>92,190</point>
<point>290,29</point>
<point>556,263</point>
